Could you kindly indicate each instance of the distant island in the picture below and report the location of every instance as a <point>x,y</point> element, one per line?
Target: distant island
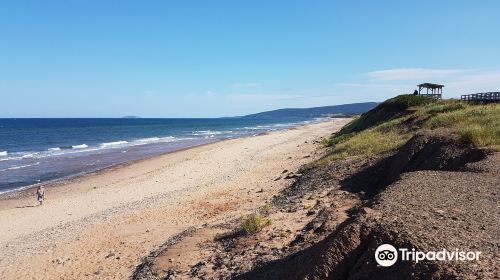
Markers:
<point>131,117</point>
<point>344,109</point>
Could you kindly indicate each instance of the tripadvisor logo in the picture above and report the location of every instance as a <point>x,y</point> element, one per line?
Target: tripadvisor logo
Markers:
<point>387,255</point>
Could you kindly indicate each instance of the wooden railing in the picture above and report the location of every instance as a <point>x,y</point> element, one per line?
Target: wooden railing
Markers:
<point>482,97</point>
<point>432,95</point>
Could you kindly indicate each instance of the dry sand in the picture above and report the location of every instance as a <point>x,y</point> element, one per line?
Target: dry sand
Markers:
<point>100,225</point>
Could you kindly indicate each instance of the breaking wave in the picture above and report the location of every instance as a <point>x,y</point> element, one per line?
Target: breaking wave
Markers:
<point>116,143</point>
<point>81,146</point>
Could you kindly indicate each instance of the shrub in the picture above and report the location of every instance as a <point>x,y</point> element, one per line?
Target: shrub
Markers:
<point>253,223</point>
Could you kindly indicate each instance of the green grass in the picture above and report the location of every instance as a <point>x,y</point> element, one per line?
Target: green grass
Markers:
<point>368,142</point>
<point>388,110</point>
<point>441,106</point>
<point>409,100</point>
<point>253,223</point>
<point>392,123</point>
<point>477,124</point>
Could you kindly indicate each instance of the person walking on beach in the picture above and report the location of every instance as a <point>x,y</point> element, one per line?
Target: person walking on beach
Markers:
<point>40,194</point>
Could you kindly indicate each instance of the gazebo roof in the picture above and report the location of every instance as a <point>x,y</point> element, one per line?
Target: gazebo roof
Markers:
<point>430,85</point>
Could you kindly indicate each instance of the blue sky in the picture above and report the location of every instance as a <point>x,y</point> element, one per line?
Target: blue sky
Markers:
<point>226,58</point>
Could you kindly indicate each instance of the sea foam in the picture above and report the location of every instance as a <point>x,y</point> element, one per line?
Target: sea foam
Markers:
<point>105,145</point>
<point>19,166</point>
<point>152,140</point>
<point>82,146</point>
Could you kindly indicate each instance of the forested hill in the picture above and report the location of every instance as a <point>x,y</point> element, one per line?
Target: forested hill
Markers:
<point>354,108</point>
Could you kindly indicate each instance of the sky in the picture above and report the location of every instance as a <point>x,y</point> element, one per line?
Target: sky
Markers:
<point>226,58</point>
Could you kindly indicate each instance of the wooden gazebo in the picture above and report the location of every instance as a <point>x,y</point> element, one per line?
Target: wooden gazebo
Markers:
<point>436,90</point>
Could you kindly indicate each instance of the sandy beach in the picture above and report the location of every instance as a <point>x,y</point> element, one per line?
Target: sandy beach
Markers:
<point>100,225</point>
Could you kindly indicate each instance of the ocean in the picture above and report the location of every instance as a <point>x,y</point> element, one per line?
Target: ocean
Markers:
<point>38,151</point>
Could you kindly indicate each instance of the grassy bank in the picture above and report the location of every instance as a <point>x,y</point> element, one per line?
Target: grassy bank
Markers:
<point>393,122</point>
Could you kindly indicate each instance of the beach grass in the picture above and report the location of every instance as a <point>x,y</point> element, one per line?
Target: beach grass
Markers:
<point>253,223</point>
<point>392,123</point>
<point>477,124</point>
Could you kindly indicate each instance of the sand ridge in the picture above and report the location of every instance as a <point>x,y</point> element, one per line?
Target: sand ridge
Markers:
<point>99,226</point>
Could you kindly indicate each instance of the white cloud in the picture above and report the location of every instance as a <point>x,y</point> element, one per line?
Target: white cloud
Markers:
<point>396,81</point>
<point>411,74</point>
<point>364,85</point>
<point>202,95</point>
<point>262,97</point>
<point>245,85</point>
<point>477,82</point>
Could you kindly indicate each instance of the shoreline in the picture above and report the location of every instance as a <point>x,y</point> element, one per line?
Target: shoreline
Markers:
<point>19,189</point>
<point>25,191</point>
<point>22,192</point>
<point>128,210</point>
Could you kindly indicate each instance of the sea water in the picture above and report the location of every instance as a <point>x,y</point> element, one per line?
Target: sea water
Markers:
<point>36,151</point>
